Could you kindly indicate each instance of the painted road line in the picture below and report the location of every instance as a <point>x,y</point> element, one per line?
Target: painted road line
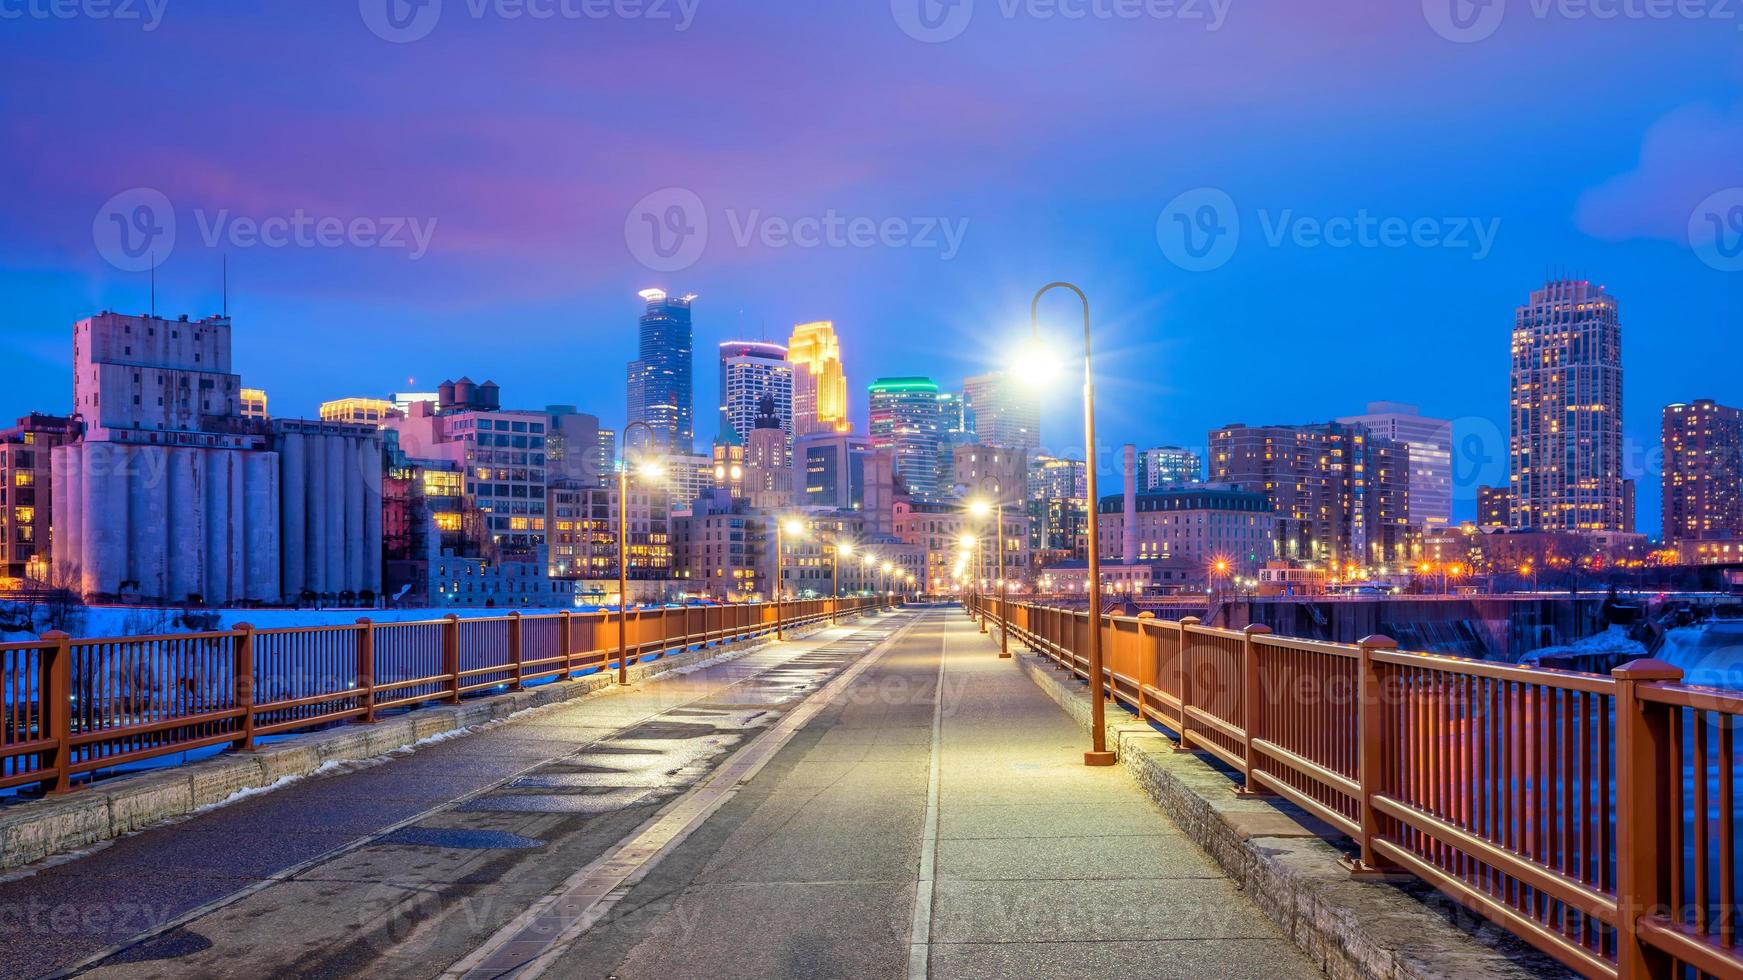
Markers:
<point>529,945</point>
<point>920,933</point>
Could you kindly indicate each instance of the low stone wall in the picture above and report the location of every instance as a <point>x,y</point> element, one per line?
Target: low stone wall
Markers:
<point>1374,930</point>
<point>96,812</point>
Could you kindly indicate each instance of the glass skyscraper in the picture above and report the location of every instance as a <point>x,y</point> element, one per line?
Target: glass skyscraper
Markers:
<point>662,385</point>
<point>905,422</point>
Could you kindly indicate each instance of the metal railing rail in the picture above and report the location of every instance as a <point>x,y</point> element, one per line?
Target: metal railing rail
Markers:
<point>1595,816</point>
<point>71,707</point>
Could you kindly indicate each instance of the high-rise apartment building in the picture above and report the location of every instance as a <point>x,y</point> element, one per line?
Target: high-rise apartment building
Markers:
<point>904,422</point>
<point>1430,442</point>
<point>1167,467</point>
<point>661,379</point>
<point>819,381</point>
<point>1703,472</point>
<point>1006,412</point>
<point>751,370</point>
<point>1337,492</point>
<point>1492,507</point>
<point>1565,431</point>
<point>572,447</point>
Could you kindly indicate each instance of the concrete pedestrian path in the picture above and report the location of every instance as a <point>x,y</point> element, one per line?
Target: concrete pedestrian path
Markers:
<point>937,821</point>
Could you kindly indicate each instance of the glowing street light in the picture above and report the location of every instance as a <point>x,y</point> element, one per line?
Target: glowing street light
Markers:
<point>1034,365</point>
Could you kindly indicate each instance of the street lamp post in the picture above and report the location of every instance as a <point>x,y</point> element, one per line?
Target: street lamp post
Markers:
<point>782,529</point>
<point>1098,754</point>
<point>838,549</point>
<point>997,507</point>
<point>651,470</point>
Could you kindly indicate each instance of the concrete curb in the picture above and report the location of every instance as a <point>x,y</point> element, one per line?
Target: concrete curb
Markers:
<point>1349,928</point>
<point>112,808</point>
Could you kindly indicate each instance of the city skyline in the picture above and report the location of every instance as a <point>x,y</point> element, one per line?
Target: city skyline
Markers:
<point>529,227</point>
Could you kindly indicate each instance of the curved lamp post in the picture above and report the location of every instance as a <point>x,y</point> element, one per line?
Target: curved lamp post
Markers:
<point>653,471</point>
<point>1098,754</point>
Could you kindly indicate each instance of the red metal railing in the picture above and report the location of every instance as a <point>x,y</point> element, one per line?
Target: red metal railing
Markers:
<point>1595,816</point>
<point>70,707</point>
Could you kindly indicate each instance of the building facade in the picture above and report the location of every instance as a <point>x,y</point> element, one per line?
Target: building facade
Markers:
<point>1565,428</point>
<point>751,370</point>
<point>1703,472</point>
<point>1337,493</point>
<point>27,495</point>
<point>1430,442</point>
<point>1198,526</point>
<point>1166,467</point>
<point>904,423</point>
<point>1006,412</point>
<point>1493,508</point>
<point>819,381</point>
<point>935,530</point>
<point>661,379</point>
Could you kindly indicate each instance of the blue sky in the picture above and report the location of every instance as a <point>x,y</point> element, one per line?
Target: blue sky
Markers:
<point>513,157</point>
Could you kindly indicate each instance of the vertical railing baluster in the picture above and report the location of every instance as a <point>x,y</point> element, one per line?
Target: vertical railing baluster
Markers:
<point>1371,743</point>
<point>1250,713</point>
<point>244,685</point>
<point>451,656</point>
<point>1645,788</point>
<point>366,668</point>
<point>514,650</point>
<point>57,705</point>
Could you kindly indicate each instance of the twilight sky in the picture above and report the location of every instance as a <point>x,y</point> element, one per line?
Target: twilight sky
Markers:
<point>488,179</point>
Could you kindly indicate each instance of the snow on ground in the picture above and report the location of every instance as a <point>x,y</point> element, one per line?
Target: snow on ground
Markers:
<point>1614,640</point>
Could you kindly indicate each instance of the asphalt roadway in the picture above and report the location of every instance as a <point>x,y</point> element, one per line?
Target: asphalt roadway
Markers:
<point>885,799</point>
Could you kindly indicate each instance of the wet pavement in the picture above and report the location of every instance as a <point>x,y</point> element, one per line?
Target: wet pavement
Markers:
<point>885,800</point>
<point>401,867</point>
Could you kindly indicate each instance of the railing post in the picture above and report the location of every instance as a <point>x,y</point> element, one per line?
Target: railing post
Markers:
<point>451,655</point>
<point>243,686</point>
<point>514,649</point>
<point>366,668</point>
<point>57,704</point>
<point>1370,750</point>
<point>1250,692</point>
<point>563,637</point>
<point>1185,666</point>
<point>1645,807</point>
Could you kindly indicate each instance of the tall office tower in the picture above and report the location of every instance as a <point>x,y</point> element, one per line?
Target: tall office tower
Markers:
<point>1430,442</point>
<point>1006,412</point>
<point>661,382</point>
<point>1565,445</point>
<point>904,422</point>
<point>1338,493</point>
<point>1703,473</point>
<point>572,447</point>
<point>1166,467</point>
<point>819,382</point>
<point>1058,508</point>
<point>1492,506</point>
<point>749,370</point>
<point>605,457</point>
<point>955,432</point>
